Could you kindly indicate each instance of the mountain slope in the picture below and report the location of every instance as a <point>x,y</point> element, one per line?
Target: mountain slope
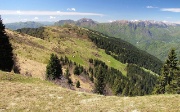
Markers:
<point>157,38</point>
<point>87,50</point>
<point>64,42</point>
<point>117,48</point>
<point>33,53</point>
<point>20,93</point>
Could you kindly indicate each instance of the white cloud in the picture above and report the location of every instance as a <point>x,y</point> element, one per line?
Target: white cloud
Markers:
<point>171,9</point>
<point>58,11</point>
<point>36,18</point>
<point>71,9</point>
<point>151,7</point>
<point>19,12</point>
<point>51,17</point>
<point>165,21</point>
<point>47,13</point>
<point>111,21</point>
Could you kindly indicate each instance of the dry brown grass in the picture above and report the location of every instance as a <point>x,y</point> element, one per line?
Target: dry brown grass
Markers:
<point>32,68</point>
<point>20,93</point>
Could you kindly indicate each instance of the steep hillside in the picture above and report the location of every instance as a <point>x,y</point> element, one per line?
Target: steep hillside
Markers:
<point>117,48</point>
<point>33,53</point>
<point>157,38</point>
<point>21,93</point>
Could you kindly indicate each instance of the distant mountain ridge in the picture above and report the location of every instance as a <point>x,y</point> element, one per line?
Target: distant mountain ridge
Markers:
<point>80,22</point>
<point>155,37</point>
<point>28,24</point>
<point>149,23</point>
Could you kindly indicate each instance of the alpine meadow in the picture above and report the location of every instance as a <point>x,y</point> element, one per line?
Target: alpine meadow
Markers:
<point>77,56</point>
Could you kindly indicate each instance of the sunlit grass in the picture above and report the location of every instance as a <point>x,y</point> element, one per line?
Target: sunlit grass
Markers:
<point>19,93</point>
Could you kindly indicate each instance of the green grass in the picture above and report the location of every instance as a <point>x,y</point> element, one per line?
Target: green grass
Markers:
<point>19,93</point>
<point>14,78</point>
<point>110,61</point>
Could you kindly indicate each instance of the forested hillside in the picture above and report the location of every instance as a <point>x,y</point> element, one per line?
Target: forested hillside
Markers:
<point>28,24</point>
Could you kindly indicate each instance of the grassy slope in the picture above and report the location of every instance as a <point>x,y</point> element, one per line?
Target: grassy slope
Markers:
<point>77,48</point>
<point>33,53</point>
<point>19,93</point>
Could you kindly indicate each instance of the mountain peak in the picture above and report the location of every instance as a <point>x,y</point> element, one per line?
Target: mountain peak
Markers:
<point>85,20</point>
<point>149,23</point>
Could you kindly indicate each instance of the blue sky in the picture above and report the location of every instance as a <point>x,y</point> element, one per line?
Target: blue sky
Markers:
<point>99,10</point>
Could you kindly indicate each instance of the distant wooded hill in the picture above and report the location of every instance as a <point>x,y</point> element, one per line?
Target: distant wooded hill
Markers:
<point>29,24</point>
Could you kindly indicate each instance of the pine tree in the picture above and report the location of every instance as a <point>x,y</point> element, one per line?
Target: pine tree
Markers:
<point>99,83</point>
<point>169,79</point>
<point>53,69</point>
<point>6,55</point>
<point>92,78</point>
<point>67,74</point>
<point>76,70</point>
<point>171,62</point>
<point>70,81</point>
<point>78,84</point>
<point>164,79</point>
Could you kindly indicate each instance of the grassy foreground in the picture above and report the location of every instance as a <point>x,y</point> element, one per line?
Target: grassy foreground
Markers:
<point>20,93</point>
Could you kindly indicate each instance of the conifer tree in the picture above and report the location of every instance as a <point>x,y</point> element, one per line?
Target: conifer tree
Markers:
<point>92,78</point>
<point>78,84</point>
<point>53,69</point>
<point>67,74</point>
<point>6,55</point>
<point>99,83</point>
<point>70,82</point>
<point>171,62</point>
<point>169,80</point>
<point>76,70</point>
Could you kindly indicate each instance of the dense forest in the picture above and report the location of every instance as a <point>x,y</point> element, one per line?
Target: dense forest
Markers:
<point>137,81</point>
